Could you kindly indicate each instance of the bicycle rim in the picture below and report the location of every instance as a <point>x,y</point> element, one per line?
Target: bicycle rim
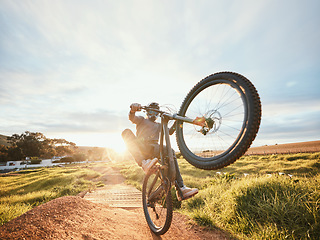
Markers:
<point>157,203</point>
<point>230,110</point>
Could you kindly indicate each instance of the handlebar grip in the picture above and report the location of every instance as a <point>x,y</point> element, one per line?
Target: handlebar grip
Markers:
<point>135,107</point>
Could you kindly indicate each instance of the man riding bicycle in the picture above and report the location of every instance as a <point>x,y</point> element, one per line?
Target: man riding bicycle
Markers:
<point>144,146</point>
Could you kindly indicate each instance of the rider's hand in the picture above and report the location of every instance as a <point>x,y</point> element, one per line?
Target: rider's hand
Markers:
<point>135,107</point>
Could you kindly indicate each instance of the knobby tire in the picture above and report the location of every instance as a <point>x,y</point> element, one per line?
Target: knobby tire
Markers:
<point>248,127</point>
<point>166,210</point>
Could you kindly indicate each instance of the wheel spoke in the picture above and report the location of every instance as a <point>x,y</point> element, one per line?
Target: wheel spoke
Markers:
<point>231,109</point>
<point>226,103</point>
<point>157,203</point>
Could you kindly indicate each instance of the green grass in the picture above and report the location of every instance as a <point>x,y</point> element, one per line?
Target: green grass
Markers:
<point>21,191</point>
<point>250,199</point>
<point>297,164</point>
<point>133,173</point>
<point>260,207</point>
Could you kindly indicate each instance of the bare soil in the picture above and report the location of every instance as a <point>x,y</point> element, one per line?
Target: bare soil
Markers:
<point>301,147</point>
<point>96,216</point>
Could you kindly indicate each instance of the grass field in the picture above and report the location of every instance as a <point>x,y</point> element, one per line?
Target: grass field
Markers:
<point>288,148</point>
<point>21,191</point>
<point>258,197</point>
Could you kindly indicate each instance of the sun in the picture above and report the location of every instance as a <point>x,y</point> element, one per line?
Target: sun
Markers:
<point>110,140</point>
<point>116,144</point>
<point>107,140</point>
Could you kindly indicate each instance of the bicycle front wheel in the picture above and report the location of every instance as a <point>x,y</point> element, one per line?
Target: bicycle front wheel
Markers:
<point>157,203</point>
<point>230,108</point>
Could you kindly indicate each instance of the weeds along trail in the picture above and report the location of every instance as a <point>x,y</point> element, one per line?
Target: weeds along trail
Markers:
<point>73,217</point>
<point>257,197</point>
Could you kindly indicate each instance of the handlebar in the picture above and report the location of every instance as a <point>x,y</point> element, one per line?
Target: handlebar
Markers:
<point>153,109</point>
<point>173,116</point>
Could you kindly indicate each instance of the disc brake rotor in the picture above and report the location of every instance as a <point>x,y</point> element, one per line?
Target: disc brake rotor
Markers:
<point>211,122</point>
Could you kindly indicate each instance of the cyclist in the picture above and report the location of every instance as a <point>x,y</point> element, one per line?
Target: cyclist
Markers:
<point>145,148</point>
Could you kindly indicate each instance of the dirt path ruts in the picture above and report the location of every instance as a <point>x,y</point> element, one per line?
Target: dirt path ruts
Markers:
<point>98,216</point>
<point>115,193</point>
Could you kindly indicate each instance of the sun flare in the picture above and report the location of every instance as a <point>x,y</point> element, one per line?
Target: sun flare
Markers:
<point>106,140</point>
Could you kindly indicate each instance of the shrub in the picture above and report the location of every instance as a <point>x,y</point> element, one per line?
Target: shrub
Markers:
<point>35,161</point>
<point>80,157</point>
<point>67,160</point>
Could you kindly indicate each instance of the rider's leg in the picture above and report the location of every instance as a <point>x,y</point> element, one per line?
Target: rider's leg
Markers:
<point>183,192</point>
<point>178,174</point>
<point>156,153</point>
<point>133,146</point>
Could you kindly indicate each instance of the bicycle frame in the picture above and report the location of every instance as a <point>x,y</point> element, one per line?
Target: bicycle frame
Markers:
<point>165,136</point>
<point>226,112</point>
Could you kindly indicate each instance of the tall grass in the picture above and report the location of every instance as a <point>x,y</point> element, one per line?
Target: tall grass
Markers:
<point>260,207</point>
<point>26,189</point>
<point>251,200</point>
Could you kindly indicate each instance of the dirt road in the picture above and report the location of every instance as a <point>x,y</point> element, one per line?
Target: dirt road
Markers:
<point>111,212</point>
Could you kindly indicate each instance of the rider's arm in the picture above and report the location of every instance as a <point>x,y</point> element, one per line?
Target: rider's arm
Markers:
<point>134,107</point>
<point>131,115</point>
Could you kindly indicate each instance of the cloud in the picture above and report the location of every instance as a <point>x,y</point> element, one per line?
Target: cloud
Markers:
<point>77,66</point>
<point>290,122</point>
<point>291,83</point>
<point>102,121</point>
<point>74,122</point>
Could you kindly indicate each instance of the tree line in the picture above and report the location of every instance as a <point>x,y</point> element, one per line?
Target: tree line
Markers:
<point>34,144</point>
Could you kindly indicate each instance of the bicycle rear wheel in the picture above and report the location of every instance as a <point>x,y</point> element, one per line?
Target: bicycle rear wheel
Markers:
<point>230,107</point>
<point>157,203</point>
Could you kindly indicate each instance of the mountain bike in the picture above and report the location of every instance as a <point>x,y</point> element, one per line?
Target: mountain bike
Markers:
<point>216,124</point>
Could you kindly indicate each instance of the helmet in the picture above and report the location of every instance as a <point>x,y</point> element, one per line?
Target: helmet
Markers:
<point>152,115</point>
<point>153,105</point>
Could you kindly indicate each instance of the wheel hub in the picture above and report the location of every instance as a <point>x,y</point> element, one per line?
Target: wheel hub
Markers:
<point>212,124</point>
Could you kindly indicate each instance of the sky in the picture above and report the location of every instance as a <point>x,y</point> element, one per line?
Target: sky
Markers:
<point>71,68</point>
